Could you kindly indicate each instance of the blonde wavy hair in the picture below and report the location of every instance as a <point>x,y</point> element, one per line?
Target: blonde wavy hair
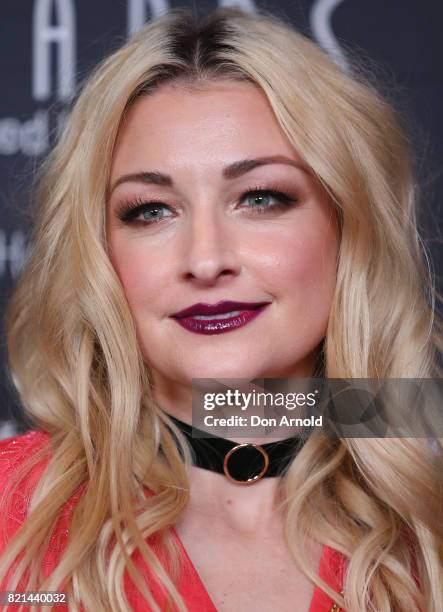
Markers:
<point>77,366</point>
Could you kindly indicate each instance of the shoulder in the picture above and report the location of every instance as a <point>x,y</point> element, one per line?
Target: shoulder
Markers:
<point>17,482</point>
<point>23,460</point>
<point>30,439</point>
<point>332,570</point>
<point>15,450</point>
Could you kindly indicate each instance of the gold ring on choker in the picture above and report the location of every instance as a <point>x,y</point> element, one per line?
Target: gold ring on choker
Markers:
<point>254,478</point>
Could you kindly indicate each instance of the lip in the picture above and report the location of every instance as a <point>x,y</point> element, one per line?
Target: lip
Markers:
<point>222,325</point>
<point>220,308</point>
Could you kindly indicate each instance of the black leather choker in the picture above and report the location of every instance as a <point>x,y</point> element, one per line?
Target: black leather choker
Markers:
<point>243,464</point>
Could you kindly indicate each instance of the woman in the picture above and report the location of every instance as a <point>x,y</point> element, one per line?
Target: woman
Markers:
<point>204,163</point>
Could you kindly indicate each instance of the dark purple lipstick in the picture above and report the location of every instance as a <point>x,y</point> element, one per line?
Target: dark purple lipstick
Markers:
<point>218,318</point>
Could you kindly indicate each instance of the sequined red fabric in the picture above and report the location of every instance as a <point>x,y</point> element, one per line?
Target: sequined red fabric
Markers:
<point>15,450</point>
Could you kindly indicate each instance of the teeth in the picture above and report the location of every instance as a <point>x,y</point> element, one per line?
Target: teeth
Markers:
<point>226,315</point>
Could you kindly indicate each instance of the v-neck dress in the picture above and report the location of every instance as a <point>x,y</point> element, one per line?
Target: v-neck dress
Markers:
<point>14,450</point>
<point>330,570</point>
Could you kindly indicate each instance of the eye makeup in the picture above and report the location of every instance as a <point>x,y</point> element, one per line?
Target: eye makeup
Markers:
<point>128,212</point>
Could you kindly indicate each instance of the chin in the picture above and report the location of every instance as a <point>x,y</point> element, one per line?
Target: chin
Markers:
<point>218,370</point>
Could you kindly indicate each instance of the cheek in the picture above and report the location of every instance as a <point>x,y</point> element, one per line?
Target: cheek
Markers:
<point>141,273</point>
<point>300,270</point>
<point>301,262</point>
<point>314,264</point>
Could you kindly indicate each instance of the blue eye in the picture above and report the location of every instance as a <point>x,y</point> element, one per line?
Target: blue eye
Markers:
<point>149,211</point>
<point>264,195</point>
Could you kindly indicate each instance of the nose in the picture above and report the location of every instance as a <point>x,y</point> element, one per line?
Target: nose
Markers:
<point>209,249</point>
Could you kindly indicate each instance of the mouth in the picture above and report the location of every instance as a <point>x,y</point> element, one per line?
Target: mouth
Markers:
<point>219,318</point>
<point>223,307</point>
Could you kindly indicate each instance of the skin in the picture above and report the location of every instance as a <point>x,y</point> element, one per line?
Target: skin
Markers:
<point>209,246</point>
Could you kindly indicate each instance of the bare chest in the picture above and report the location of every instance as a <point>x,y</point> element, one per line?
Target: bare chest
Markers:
<point>247,573</point>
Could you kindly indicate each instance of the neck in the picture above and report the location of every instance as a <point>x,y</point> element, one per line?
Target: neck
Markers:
<point>245,510</point>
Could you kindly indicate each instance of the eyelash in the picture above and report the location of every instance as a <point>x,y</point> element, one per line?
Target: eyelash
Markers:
<point>129,211</point>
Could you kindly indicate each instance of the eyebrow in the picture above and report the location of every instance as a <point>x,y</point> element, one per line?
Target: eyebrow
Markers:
<point>229,172</point>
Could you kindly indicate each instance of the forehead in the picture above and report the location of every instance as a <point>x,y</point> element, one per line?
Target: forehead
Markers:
<point>218,119</point>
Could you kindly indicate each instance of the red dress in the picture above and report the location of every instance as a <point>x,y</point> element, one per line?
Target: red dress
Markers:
<point>14,450</point>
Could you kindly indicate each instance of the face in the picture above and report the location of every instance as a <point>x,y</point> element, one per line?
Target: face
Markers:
<point>261,233</point>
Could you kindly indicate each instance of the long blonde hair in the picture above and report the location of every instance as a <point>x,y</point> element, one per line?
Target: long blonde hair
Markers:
<point>77,366</point>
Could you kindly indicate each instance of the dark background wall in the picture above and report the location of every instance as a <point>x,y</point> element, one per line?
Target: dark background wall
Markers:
<point>48,46</point>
